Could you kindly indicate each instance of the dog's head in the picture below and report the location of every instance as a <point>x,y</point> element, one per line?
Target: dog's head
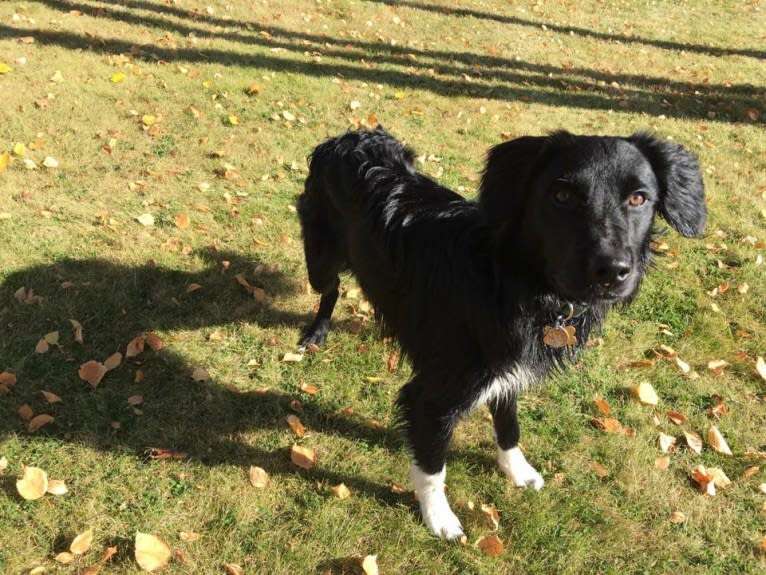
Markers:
<point>579,209</point>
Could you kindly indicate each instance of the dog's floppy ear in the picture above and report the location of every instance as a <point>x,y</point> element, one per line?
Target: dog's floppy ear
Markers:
<point>509,166</point>
<point>682,192</point>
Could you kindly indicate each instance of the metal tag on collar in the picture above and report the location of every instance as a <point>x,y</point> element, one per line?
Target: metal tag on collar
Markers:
<point>560,335</point>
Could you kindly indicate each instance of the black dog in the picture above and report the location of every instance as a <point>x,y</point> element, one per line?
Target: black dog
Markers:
<point>486,297</point>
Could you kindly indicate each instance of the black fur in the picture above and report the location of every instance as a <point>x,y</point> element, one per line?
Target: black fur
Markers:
<point>467,287</point>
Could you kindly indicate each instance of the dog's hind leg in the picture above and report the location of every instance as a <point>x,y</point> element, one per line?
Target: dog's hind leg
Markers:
<point>316,332</point>
<point>509,456</point>
<point>429,431</point>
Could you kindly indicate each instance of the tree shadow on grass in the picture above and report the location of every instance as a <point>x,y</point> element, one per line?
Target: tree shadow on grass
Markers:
<point>208,421</point>
<point>253,44</point>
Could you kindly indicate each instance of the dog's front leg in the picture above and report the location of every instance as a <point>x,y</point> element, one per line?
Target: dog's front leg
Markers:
<point>509,456</point>
<point>429,429</point>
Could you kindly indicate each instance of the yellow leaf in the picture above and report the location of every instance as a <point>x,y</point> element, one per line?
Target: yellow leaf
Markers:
<point>258,477</point>
<point>677,517</point>
<point>253,89</point>
<point>189,536</point>
<point>5,159</point>
<point>57,77</point>
<point>148,120</point>
<point>644,392</point>
<point>117,77</point>
<point>81,544</point>
<point>370,565</point>
<point>490,545</point>
<point>717,441</point>
<point>92,372</point>
<point>33,484</point>
<point>290,357</point>
<point>38,421</point>
<point>57,487</point>
<point>303,457</point>
<point>340,491</point>
<point>151,552</point>
<point>19,149</point>
<point>65,558</point>
<point>233,120</point>
<point>5,68</point>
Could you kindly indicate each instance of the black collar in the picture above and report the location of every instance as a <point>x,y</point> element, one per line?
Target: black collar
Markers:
<point>570,310</point>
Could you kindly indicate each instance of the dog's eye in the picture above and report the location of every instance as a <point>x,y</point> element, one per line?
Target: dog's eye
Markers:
<point>563,195</point>
<point>637,199</point>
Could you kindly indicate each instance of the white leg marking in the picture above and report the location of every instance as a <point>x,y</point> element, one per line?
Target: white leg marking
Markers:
<point>515,466</point>
<point>434,507</point>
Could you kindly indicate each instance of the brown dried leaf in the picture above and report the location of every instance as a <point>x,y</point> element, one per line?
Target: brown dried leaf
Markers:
<point>77,330</point>
<point>492,515</point>
<point>303,457</point>
<point>92,372</point>
<point>490,545</point>
<point>602,406</point>
<point>662,462</point>
<point>258,477</point>
<point>295,424</point>
<point>7,379</point>
<point>38,421</point>
<point>233,569</point>
<point>704,480</point>
<point>717,441</point>
<point>135,346</point>
<point>151,552</point>
<point>33,484</point>
<point>676,417</point>
<point>677,517</point>
<point>65,558</point>
<point>600,470</point>
<point>81,544</point>
<point>694,441</point>
<point>154,342</point>
<point>200,374</point>
<point>750,471</point>
<point>42,346</point>
<point>608,424</point>
<point>25,412</point>
<point>51,397</point>
<point>189,536</point>
<point>113,361</point>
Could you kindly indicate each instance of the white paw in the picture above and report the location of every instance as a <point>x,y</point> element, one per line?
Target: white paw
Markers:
<point>434,507</point>
<point>515,466</point>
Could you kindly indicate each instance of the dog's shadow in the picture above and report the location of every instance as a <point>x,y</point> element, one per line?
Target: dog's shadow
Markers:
<point>210,420</point>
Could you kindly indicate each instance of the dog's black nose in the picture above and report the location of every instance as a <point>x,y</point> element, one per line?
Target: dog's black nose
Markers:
<point>609,271</point>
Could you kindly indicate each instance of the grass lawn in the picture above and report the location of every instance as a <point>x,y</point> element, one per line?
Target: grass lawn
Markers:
<point>150,154</point>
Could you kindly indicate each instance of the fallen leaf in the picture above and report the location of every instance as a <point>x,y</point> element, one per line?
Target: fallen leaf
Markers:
<point>717,441</point>
<point>290,357</point>
<point>50,162</point>
<point>8,379</point>
<point>717,366</point>
<point>370,565</point>
<point>146,219</point>
<point>77,330</point>
<point>57,77</point>
<point>200,374</point>
<point>154,342</point>
<point>233,569</point>
<point>52,338</point>
<point>3,465</point>
<point>65,558</point>
<point>340,491</point>
<point>644,392</point>
<point>677,517</point>
<point>182,221</point>
<point>92,372</point>
<point>662,462</point>
<point>189,536</point>
<point>667,442</point>
<point>599,469</point>
<point>682,365</point>
<point>492,515</point>
<point>5,157</point>
<point>310,389</point>
<point>490,545</point>
<point>93,570</point>
<point>602,406</point>
<point>81,544</point>
<point>303,457</point>
<point>750,471</point>
<point>151,552</point>
<point>760,367</point>
<point>33,484</point>
<point>719,409</point>
<point>295,424</point>
<point>135,346</point>
<point>135,400</point>
<point>192,287</point>
<point>117,77</point>
<point>113,361</point>
<point>608,424</point>
<point>762,488</point>
<point>258,477</point>
<point>57,487</point>
<point>38,421</point>
<point>693,441</point>
<point>161,453</point>
<point>676,417</point>
<point>704,480</point>
<point>25,412</point>
<point>42,347</point>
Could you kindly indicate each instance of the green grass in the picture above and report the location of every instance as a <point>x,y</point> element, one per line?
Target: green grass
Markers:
<point>451,79</point>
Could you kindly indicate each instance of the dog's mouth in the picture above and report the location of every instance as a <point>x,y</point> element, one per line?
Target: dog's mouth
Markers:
<point>589,294</point>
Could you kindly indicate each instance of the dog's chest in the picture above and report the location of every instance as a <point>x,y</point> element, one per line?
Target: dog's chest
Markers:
<point>506,385</point>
